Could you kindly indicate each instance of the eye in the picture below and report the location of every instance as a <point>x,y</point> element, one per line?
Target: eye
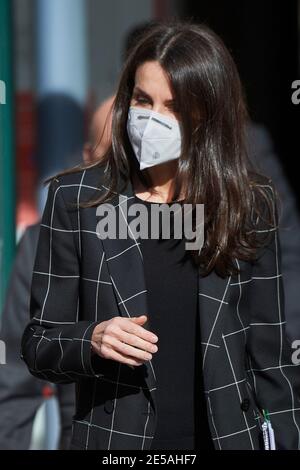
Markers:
<point>140,99</point>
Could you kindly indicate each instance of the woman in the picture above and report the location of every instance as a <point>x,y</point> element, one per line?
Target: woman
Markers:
<point>118,315</point>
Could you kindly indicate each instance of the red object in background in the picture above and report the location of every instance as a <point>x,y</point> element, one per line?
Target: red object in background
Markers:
<point>48,391</point>
<point>26,210</point>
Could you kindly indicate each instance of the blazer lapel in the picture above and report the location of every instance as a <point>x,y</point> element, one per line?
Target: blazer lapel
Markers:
<point>125,264</point>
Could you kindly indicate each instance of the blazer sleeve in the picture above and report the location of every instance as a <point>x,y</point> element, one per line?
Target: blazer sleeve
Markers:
<point>276,378</point>
<point>55,345</point>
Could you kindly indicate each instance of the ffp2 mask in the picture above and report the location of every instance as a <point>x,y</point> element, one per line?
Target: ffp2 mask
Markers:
<point>155,138</point>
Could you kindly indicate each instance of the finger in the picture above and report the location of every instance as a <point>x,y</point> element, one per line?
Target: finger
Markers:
<point>137,342</point>
<point>138,330</point>
<point>125,349</point>
<point>141,319</point>
<point>115,356</point>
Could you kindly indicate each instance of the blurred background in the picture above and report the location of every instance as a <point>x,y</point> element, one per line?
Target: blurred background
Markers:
<point>59,60</point>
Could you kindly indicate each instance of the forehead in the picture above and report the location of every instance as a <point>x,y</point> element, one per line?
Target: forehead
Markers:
<point>152,79</point>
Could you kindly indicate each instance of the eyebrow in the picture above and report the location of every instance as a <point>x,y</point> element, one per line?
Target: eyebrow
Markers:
<point>137,89</point>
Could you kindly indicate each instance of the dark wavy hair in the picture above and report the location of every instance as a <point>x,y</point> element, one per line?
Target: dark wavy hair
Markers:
<point>214,168</point>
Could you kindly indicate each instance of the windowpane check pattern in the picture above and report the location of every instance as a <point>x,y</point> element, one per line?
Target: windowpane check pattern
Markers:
<point>80,280</point>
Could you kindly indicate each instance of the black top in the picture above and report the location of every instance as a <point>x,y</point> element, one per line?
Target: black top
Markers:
<point>171,280</point>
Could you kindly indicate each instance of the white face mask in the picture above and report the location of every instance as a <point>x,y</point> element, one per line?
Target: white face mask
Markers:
<point>154,137</point>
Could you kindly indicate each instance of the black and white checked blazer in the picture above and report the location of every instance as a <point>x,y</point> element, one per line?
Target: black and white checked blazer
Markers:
<point>80,280</point>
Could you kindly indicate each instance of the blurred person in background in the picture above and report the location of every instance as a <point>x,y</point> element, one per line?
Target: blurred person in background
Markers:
<point>21,394</point>
<point>91,298</point>
<point>262,152</point>
<point>100,128</point>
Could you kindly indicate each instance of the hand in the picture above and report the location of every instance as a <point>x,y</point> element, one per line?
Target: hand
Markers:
<point>124,340</point>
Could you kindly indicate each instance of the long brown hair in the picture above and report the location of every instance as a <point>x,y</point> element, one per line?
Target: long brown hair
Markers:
<point>214,168</point>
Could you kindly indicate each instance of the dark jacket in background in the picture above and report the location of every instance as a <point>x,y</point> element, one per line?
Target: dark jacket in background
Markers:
<point>20,392</point>
<point>263,153</point>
